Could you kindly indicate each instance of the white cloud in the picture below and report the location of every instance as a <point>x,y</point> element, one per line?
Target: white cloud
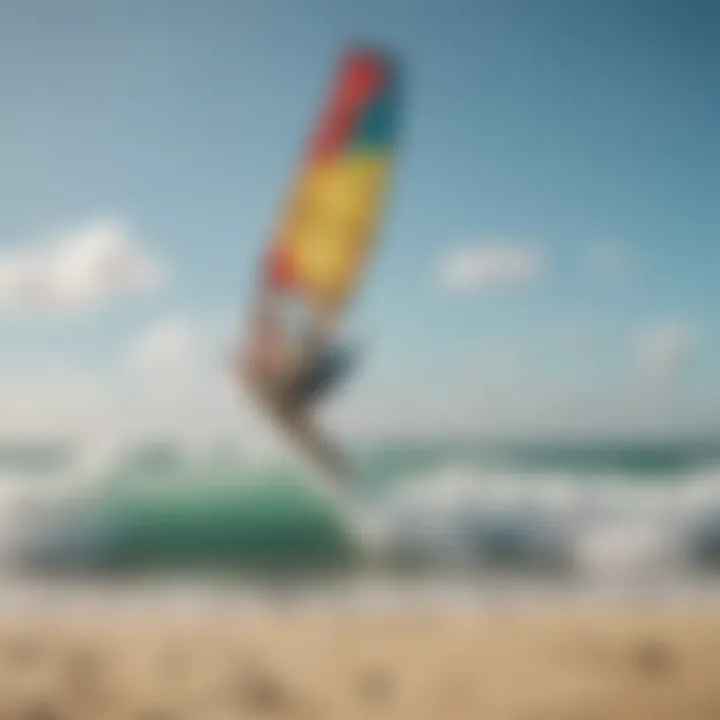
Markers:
<point>663,349</point>
<point>76,270</point>
<point>610,260</point>
<point>167,350</point>
<point>172,381</point>
<point>491,266</point>
<point>57,401</point>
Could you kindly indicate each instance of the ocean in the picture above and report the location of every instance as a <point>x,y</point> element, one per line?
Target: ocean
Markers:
<point>570,513</point>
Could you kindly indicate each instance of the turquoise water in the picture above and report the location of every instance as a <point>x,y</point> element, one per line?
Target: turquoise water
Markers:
<point>563,508</point>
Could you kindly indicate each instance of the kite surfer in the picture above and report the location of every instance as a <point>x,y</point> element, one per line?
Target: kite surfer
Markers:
<point>312,267</point>
<point>291,362</point>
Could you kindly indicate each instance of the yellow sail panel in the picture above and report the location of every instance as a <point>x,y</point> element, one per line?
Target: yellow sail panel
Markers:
<point>330,227</point>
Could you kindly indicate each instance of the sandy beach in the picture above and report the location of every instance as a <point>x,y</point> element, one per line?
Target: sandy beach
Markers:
<point>494,664</point>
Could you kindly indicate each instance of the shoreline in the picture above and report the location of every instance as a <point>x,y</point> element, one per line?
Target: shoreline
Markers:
<point>353,593</point>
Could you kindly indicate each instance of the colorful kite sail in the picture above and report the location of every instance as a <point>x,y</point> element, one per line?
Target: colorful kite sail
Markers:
<point>325,238</point>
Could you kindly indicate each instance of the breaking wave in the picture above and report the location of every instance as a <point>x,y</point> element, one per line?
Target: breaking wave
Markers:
<point>429,513</point>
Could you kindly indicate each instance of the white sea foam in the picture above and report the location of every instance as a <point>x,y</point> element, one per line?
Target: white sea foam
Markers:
<point>600,527</point>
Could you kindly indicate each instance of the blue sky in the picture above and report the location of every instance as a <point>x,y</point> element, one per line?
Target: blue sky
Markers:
<point>582,133</point>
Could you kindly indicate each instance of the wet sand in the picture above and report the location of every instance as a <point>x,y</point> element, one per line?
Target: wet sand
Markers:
<point>495,665</point>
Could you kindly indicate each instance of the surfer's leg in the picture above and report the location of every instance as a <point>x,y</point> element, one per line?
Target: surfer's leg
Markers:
<point>331,368</point>
<point>324,451</point>
<point>297,422</point>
